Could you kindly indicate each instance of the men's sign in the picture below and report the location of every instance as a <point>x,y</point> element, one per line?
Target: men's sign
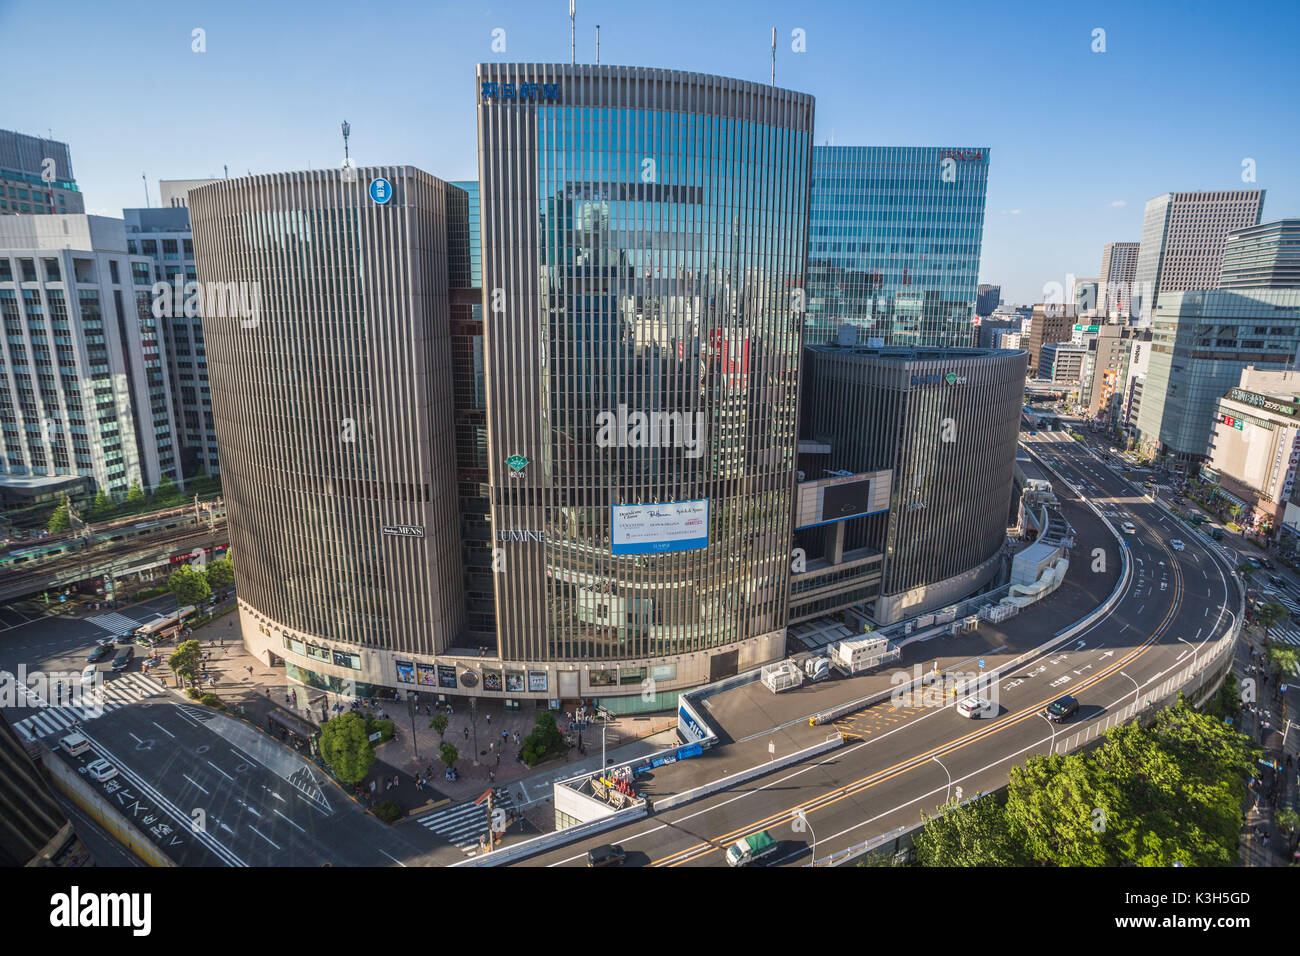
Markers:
<point>404,530</point>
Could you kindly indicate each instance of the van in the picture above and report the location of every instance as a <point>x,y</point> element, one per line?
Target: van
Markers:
<point>124,658</point>
<point>74,744</point>
<point>1129,527</point>
<point>751,848</point>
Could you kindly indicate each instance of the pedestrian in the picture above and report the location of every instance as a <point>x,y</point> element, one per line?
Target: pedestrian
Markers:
<point>504,735</point>
<point>488,717</point>
<point>250,672</point>
<point>467,733</point>
<point>395,782</point>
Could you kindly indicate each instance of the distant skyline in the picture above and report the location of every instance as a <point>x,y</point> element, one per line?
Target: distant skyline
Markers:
<point>1080,140</point>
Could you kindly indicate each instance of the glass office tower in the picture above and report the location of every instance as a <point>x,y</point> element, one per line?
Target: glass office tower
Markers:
<point>644,239</point>
<point>894,244</point>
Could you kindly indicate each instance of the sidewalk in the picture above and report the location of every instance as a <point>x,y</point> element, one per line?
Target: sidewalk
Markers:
<point>1263,842</point>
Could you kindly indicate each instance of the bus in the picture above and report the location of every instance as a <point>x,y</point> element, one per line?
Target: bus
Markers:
<point>165,626</point>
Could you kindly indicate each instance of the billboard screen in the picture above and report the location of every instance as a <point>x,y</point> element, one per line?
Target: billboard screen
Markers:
<point>653,529</point>
<point>827,500</point>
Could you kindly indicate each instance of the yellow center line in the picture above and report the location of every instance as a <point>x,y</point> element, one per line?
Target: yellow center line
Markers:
<point>911,763</point>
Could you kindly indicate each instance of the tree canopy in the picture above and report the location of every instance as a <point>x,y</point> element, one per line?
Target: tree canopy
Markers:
<point>346,747</point>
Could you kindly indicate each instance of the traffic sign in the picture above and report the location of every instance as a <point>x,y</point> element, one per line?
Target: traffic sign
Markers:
<point>381,190</point>
<point>981,662</point>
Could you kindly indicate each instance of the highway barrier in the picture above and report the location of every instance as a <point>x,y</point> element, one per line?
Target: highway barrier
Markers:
<point>558,838</point>
<point>832,742</point>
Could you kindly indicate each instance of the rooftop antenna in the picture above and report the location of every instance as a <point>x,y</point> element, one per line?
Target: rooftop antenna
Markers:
<point>598,44</point>
<point>347,131</point>
<point>774,56</point>
<point>573,41</point>
<point>226,167</point>
<point>145,179</point>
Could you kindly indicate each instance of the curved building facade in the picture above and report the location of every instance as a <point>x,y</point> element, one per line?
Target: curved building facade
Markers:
<point>644,236</point>
<point>331,398</point>
<point>941,427</point>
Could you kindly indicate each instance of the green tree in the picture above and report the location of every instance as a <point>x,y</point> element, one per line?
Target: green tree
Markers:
<point>1270,615</point>
<point>59,520</point>
<point>544,740</point>
<point>438,722</point>
<point>103,506</point>
<point>189,585</point>
<point>977,834</point>
<point>186,661</point>
<point>449,754</point>
<point>346,748</point>
<point>1245,570</point>
<point>1282,660</point>
<point>1169,794</point>
<point>166,492</point>
<point>220,574</point>
<point>135,499</point>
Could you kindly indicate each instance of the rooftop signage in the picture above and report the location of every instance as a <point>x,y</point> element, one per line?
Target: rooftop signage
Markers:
<point>530,92</point>
<point>963,155</point>
<point>1262,401</point>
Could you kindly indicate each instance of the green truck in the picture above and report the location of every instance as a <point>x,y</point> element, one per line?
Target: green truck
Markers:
<point>751,848</point>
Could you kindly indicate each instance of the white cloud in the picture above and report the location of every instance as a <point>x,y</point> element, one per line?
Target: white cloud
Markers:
<point>1011,212</point>
<point>1116,204</point>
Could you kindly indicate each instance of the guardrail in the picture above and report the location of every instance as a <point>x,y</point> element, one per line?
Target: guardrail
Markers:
<point>559,837</point>
<point>1083,623</point>
<point>832,742</point>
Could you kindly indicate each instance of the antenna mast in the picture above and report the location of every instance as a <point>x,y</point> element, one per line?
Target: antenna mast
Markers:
<point>347,131</point>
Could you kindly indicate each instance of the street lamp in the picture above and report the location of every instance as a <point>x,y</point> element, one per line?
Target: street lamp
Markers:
<point>1137,688</point>
<point>604,716</point>
<point>947,795</point>
<point>1051,748</point>
<point>803,818</point>
<point>473,720</point>
<point>410,709</point>
<point>1194,651</point>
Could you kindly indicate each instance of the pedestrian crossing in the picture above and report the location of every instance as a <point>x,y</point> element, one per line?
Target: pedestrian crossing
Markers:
<point>462,825</point>
<point>1286,633</point>
<point>114,623</point>
<point>48,721</point>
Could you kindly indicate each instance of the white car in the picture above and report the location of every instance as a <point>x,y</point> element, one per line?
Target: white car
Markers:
<point>101,770</point>
<point>88,675</point>
<point>975,707</point>
<point>1176,544</point>
<point>1129,527</point>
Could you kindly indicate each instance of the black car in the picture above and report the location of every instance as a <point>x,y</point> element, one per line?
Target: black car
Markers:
<point>1269,565</point>
<point>1059,710</point>
<point>127,638</point>
<point>124,658</point>
<point>611,854</point>
<point>98,654</point>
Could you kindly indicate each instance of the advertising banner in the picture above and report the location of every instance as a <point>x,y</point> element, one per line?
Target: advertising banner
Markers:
<point>405,672</point>
<point>424,674</point>
<point>653,529</point>
<point>537,681</point>
<point>446,676</point>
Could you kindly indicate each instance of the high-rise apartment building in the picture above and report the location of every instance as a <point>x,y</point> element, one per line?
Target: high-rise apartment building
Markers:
<point>332,397</point>
<point>644,240</point>
<point>83,364</point>
<point>164,236</point>
<point>1118,268</point>
<point>987,298</point>
<point>1183,235</point>
<point>36,176</point>
<point>1266,256</point>
<point>894,243</point>
<point>1200,343</point>
<point>1047,323</point>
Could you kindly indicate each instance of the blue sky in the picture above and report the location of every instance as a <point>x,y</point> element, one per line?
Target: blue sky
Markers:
<point>1080,140</point>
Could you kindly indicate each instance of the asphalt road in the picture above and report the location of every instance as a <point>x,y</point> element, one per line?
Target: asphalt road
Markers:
<point>1173,605</point>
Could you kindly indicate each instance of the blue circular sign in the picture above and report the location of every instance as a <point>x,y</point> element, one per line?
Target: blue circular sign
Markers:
<point>381,190</point>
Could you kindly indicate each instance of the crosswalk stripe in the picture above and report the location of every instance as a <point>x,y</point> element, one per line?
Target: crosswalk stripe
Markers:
<point>462,825</point>
<point>108,697</point>
<point>114,622</point>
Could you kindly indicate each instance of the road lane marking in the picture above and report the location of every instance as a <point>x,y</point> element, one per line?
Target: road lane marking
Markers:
<point>220,771</point>
<point>195,782</point>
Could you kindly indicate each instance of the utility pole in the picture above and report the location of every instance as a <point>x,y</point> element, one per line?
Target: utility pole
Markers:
<point>410,708</point>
